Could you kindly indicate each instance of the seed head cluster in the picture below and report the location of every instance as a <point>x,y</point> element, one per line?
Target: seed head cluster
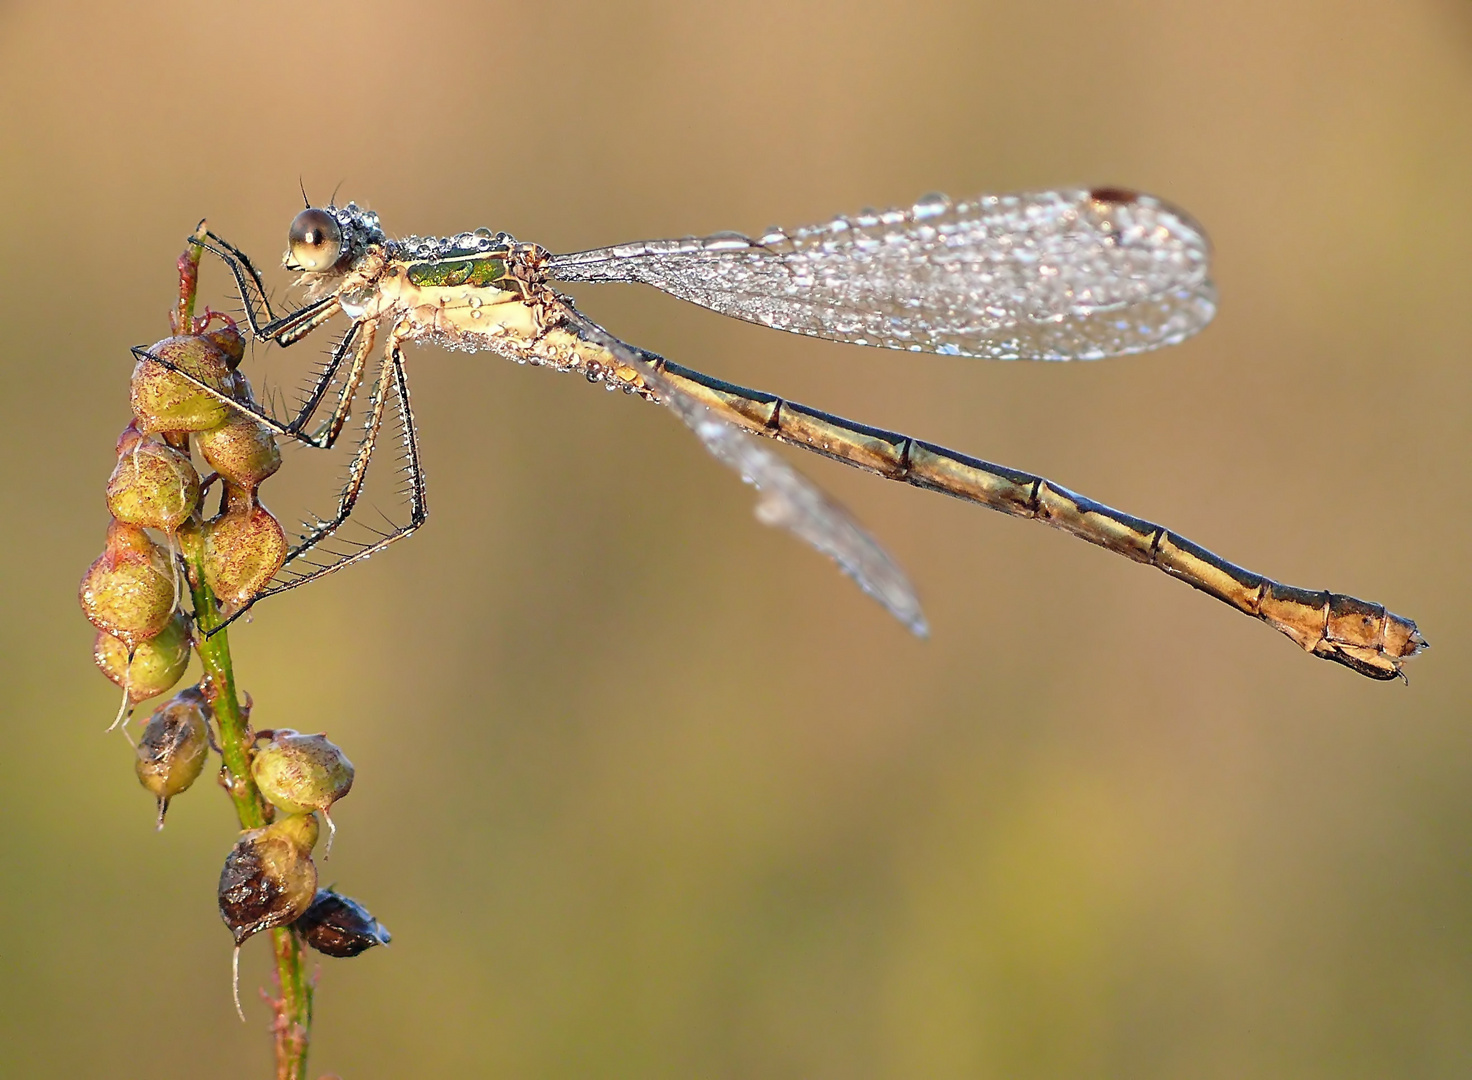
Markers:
<point>157,499</point>
<point>164,547</point>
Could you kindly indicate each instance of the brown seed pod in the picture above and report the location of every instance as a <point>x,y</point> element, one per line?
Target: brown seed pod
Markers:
<point>174,746</point>
<point>340,926</point>
<point>301,773</point>
<point>242,450</point>
<point>268,880</point>
<point>129,592</point>
<point>152,485</point>
<point>243,548</point>
<point>163,400</point>
<point>157,664</point>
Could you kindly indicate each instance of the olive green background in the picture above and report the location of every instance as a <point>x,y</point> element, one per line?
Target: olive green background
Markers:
<point>648,790</point>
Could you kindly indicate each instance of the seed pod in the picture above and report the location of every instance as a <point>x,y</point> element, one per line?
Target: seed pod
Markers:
<point>268,880</point>
<point>129,591</point>
<point>152,485</point>
<point>231,343</point>
<point>157,664</point>
<point>340,926</point>
<point>163,400</point>
<point>242,450</point>
<point>243,548</point>
<point>174,746</point>
<point>301,773</point>
<point>301,829</point>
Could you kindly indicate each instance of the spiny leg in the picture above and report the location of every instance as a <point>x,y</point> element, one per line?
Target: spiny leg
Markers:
<point>326,435</point>
<point>391,377</point>
<point>413,469</point>
<point>357,468</point>
<point>285,330</point>
<point>246,275</point>
<point>289,329</point>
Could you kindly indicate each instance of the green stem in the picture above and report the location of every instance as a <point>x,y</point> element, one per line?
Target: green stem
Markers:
<point>234,722</point>
<point>293,1028</point>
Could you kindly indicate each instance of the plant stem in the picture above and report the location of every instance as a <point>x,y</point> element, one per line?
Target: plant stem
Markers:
<point>293,1026</point>
<point>189,280</point>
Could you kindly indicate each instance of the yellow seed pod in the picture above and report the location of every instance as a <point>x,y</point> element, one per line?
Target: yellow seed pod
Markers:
<point>242,450</point>
<point>129,591</point>
<point>301,773</point>
<point>174,747</point>
<point>152,485</point>
<point>163,400</point>
<point>301,829</point>
<point>158,663</point>
<point>243,548</point>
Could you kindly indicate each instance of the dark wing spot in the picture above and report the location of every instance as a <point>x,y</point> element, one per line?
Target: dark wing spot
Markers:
<point>1117,195</point>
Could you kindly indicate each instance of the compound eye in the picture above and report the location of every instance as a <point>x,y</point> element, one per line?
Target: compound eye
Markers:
<point>315,241</point>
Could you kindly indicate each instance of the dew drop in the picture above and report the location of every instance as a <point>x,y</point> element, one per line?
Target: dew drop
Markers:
<point>931,205</point>
<point>354,304</point>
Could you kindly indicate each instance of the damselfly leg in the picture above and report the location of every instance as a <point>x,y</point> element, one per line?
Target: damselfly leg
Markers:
<point>391,380</point>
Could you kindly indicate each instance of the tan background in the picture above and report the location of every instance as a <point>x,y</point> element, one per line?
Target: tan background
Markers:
<point>645,789</point>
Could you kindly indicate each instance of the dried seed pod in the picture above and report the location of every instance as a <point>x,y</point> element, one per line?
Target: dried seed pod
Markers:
<point>301,773</point>
<point>242,450</point>
<point>340,926</point>
<point>243,548</point>
<point>174,746</point>
<point>268,880</point>
<point>129,591</point>
<point>152,485</point>
<point>163,400</point>
<point>157,663</point>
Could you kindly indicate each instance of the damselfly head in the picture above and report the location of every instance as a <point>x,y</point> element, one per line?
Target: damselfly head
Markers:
<point>314,242</point>
<point>324,239</point>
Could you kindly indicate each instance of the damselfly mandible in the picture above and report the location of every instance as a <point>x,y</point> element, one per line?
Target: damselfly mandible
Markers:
<point>1051,275</point>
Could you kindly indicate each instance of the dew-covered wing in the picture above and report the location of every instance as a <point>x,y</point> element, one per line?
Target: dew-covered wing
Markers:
<point>788,499</point>
<point>1047,275</point>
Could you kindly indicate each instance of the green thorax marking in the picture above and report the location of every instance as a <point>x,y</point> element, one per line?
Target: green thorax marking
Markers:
<point>480,268</point>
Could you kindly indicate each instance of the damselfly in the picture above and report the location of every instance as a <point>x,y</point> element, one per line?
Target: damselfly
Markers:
<point>1053,275</point>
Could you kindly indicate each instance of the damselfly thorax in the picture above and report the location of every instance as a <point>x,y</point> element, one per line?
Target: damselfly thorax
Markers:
<point>472,292</point>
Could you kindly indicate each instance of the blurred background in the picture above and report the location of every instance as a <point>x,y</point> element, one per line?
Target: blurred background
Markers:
<point>646,789</point>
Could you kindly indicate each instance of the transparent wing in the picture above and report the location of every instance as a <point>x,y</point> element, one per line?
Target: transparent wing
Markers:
<point>788,498</point>
<point>1048,275</point>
